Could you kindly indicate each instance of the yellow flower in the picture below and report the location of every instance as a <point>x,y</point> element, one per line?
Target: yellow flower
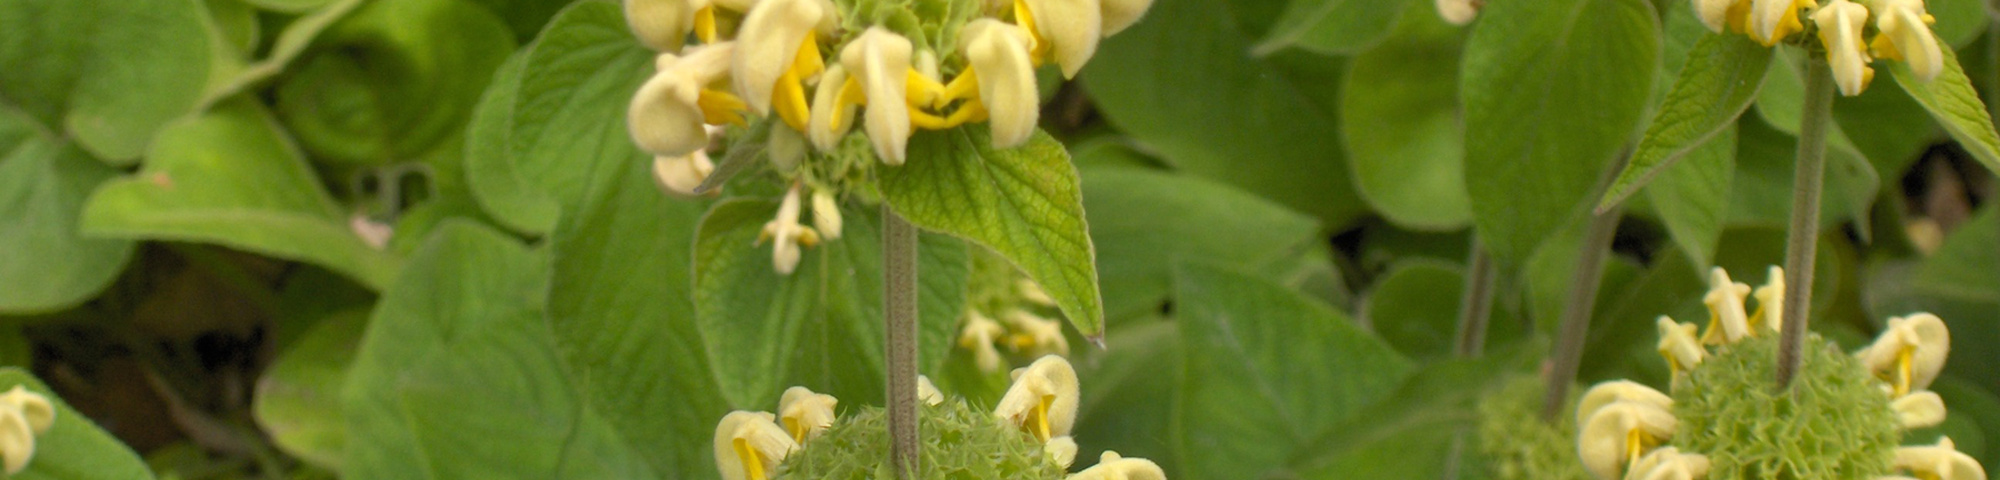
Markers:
<point>1678,344</point>
<point>1066,30</point>
<point>804,413</point>
<point>778,50</point>
<point>978,335</point>
<point>1616,434</point>
<point>1773,20</point>
<point>1004,76</point>
<point>1457,12</point>
<point>1771,298</point>
<point>831,119</point>
<point>668,114</point>
<point>1668,463</point>
<point>1035,335</point>
<point>1910,353</point>
<point>1110,466</point>
<point>787,234</point>
<point>23,414</point>
<point>1726,320</point>
<point>1906,36</point>
<point>1607,393</point>
<point>928,392</point>
<point>1919,409</point>
<point>1043,399</point>
<point>679,175</point>
<point>826,215</point>
<point>750,445</point>
<point>1061,450</point>
<point>1719,15</point>
<point>1840,23</point>
<point>662,24</point>
<point>1119,14</point>
<point>1939,462</point>
<point>878,65</point>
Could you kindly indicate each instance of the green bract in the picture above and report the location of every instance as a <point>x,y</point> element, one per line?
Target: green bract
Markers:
<point>1519,445</point>
<point>960,443</point>
<point>1834,422</point>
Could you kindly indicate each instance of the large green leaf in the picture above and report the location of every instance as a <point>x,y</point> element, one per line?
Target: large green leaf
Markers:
<point>1693,199</point>
<point>298,398</point>
<point>1415,308</point>
<point>1143,220</point>
<point>43,184</point>
<point>1184,85</point>
<point>1717,84</point>
<point>538,129</point>
<point>1400,123</point>
<point>1762,190</point>
<point>1332,27</point>
<point>109,74</point>
<point>393,80</point>
<point>1553,91</point>
<point>821,325</point>
<point>231,177</point>
<point>1952,101</point>
<point>73,448</point>
<point>459,377</point>
<point>1265,370</point>
<point>1386,439</point>
<point>622,311</point>
<point>1024,203</point>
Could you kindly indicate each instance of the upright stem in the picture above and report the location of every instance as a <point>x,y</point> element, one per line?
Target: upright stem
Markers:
<point>1802,239</point>
<point>1582,300</point>
<point>1476,305</point>
<point>899,298</point>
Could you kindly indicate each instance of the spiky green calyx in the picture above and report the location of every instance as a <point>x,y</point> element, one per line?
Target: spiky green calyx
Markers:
<point>1517,444</point>
<point>1833,422</point>
<point>959,443</point>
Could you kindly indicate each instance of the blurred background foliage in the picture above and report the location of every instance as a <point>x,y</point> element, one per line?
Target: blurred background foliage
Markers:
<point>411,239</point>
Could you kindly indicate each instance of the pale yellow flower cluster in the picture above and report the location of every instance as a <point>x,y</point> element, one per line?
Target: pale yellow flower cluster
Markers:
<point>23,415</point>
<point>1018,330</point>
<point>1902,32</point>
<point>1625,425</point>
<point>1042,402</point>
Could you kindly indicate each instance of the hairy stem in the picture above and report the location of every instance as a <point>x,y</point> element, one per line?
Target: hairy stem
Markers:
<point>899,276</point>
<point>1802,238</point>
<point>1476,305</point>
<point>1577,307</point>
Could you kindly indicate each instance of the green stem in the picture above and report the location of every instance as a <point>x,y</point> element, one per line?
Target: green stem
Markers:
<point>1802,239</point>
<point>899,275</point>
<point>1577,307</point>
<point>1475,307</point>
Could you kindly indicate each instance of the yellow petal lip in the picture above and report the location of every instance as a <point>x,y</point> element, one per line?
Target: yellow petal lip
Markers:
<point>768,44</point>
<point>1045,394</point>
<point>750,445</point>
<point>1919,409</point>
<point>1611,436</point>
<point>998,53</point>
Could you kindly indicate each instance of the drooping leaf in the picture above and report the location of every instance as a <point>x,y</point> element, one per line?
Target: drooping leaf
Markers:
<point>1024,203</point>
<point>820,326</point>
<point>107,74</point>
<point>1332,27</point>
<point>1952,101</point>
<point>1553,91</point>
<point>1274,369</point>
<point>1400,123</point>
<point>43,184</point>
<point>1719,81</point>
<point>73,448</point>
<point>1693,198</point>
<point>231,177</point>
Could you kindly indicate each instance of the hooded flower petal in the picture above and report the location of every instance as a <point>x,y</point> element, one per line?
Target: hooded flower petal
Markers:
<point>1919,409</point>
<point>1668,463</point>
<point>1714,14</point>
<point>1906,36</point>
<point>978,335</point>
<point>826,214</point>
<point>749,446</point>
<point>1608,393</point>
<point>1771,300</point>
<point>1068,30</point>
<point>1909,353</point>
<point>680,175</point>
<point>928,392</point>
<point>1616,434</point>
<point>879,61</point>
<point>831,119</point>
<point>1678,344</point>
<point>1726,321</point>
<point>1457,12</point>
<point>1043,399</point>
<point>769,46</point>
<point>1773,20</point>
<point>668,113</point>
<point>805,414</point>
<point>1111,466</point>
<point>662,24</point>
<point>998,54</point>
<point>17,439</point>
<point>1061,451</point>
<point>1119,14</point>
<point>787,235</point>
<point>1840,23</point>
<point>1942,462</point>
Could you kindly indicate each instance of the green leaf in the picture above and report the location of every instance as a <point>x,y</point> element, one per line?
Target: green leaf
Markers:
<point>43,184</point>
<point>288,6</point>
<point>1123,388</point>
<point>463,323</point>
<point>1439,398</point>
<point>1718,83</point>
<point>1415,308</point>
<point>1024,203</point>
<point>73,448</point>
<point>1952,101</point>
<point>298,399</point>
<point>1332,27</point>
<point>393,80</point>
<point>1266,370</point>
<point>1183,84</point>
<point>230,177</point>
<point>290,43</point>
<point>1553,91</point>
<point>821,325</point>
<point>1400,122</point>
<point>109,74</point>
<point>622,312</point>
<point>1144,220</point>
<point>1693,200</point>
<point>532,146</point>
<point>1762,190</point>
